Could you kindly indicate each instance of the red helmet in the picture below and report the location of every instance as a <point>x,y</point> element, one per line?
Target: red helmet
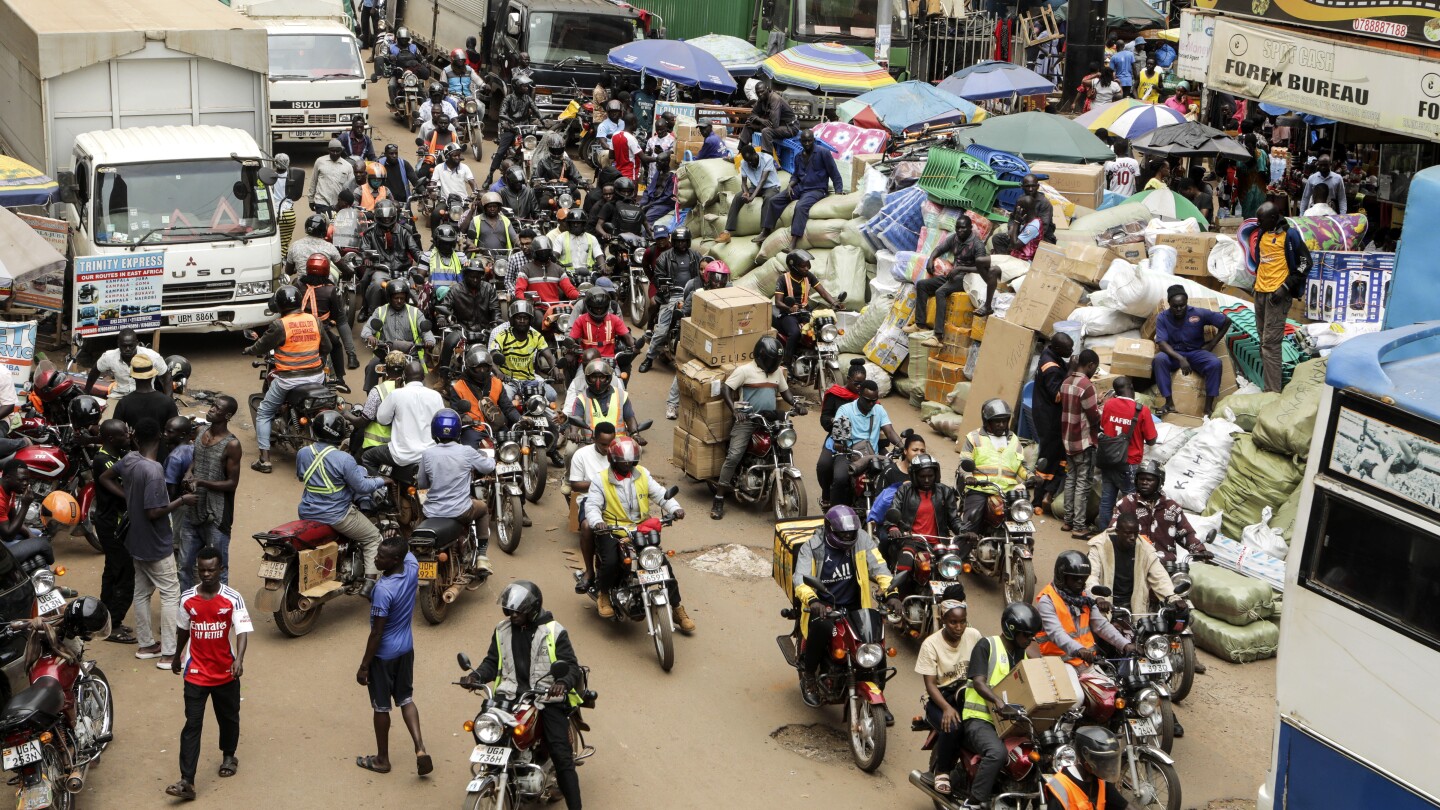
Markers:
<point>624,450</point>
<point>51,385</point>
<point>317,265</point>
<point>718,268</point>
<point>457,55</point>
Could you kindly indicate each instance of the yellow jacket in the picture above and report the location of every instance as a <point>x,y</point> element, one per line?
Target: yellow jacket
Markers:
<point>869,566</point>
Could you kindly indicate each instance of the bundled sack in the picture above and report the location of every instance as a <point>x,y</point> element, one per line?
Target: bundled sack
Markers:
<point>843,270</point>
<point>854,340</point>
<point>1199,467</point>
<point>1230,597</point>
<point>1104,321</point>
<point>1287,425</point>
<point>762,279</point>
<point>911,388</point>
<point>1124,287</point>
<point>700,182</point>
<point>891,345</point>
<point>1163,258</point>
<point>1240,645</point>
<point>1099,221</point>
<point>820,234</point>
<point>1010,267</point>
<point>1226,263</point>
<point>741,255</point>
<point>929,409</point>
<point>1255,479</point>
<point>1261,537</point>
<point>882,378</point>
<point>909,266</point>
<point>852,235</point>
<point>947,424</point>
<point>1157,226</point>
<point>748,222</point>
<point>1169,440</point>
<point>1246,408</point>
<point>898,224</point>
<point>958,396</point>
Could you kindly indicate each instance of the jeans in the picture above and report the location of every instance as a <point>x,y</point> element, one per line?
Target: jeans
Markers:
<point>555,725</point>
<point>672,399</point>
<point>194,536</point>
<point>369,16</point>
<point>1114,482</point>
<point>947,743</point>
<point>733,218</point>
<point>117,581</point>
<point>225,699</point>
<point>740,435</point>
<point>150,576</point>
<point>834,473</point>
<point>274,398</point>
<point>608,570</point>
<point>1270,323</point>
<point>1078,483</point>
<point>941,287</point>
<point>980,737</point>
<point>665,320</point>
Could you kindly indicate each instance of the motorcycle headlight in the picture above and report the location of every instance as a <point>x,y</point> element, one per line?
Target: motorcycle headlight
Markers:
<point>411,80</point>
<point>1021,511</point>
<point>1147,703</point>
<point>828,333</point>
<point>1064,757</point>
<point>566,201</point>
<point>43,580</point>
<point>471,106</point>
<point>250,289</point>
<point>489,729</point>
<point>530,142</point>
<point>869,656</point>
<point>1157,648</point>
<point>509,452</point>
<point>651,558</point>
<point>951,566</point>
<point>536,406</point>
<point>785,438</point>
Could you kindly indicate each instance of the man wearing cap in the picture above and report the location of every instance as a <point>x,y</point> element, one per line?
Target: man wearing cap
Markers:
<point>145,402</point>
<point>333,173</point>
<point>1180,345</point>
<point>714,146</point>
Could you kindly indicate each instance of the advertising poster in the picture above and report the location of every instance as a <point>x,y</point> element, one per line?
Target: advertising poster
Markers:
<point>48,291</point>
<point>17,349</point>
<point>1416,21</point>
<point>1197,32</point>
<point>117,292</point>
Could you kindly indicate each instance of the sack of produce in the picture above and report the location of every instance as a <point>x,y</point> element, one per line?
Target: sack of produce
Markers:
<point>1255,478</point>
<point>1230,597</point>
<point>1246,408</point>
<point>1287,425</point>
<point>1240,645</point>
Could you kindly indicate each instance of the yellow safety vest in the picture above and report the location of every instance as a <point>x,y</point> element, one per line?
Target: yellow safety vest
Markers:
<point>975,707</point>
<point>506,676</point>
<point>607,411</point>
<point>377,434</point>
<point>504,220</point>
<point>614,512</point>
<point>414,315</point>
<point>1001,467</point>
<point>325,485</point>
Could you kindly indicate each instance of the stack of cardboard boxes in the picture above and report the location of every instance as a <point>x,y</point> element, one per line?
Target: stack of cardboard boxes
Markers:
<point>1348,287</point>
<point>1082,185</point>
<point>945,366</point>
<point>719,335</point>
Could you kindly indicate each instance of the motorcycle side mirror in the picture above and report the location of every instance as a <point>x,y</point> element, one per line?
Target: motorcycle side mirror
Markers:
<point>267,175</point>
<point>463,406</point>
<point>1210,538</point>
<point>900,579</point>
<point>1101,591</point>
<point>840,299</point>
<point>671,493</point>
<point>819,588</point>
<point>560,670</point>
<point>464,661</point>
<point>644,426</point>
<point>419,142</point>
<point>426,325</point>
<point>968,465</point>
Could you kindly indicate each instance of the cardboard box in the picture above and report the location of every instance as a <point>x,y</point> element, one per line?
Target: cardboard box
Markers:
<point>1068,178</point>
<point>696,458</point>
<point>1229,225</point>
<point>1192,252</point>
<point>1078,261</point>
<point>701,383</point>
<point>1133,357</point>
<point>1001,369</point>
<point>942,379</point>
<point>1043,300</point>
<point>1048,258</point>
<point>957,309</point>
<point>317,565</point>
<point>1047,687</point>
<point>713,350</point>
<point>709,422</point>
<point>1083,199</point>
<point>1188,391</point>
<point>1131,252</point>
<point>858,164</point>
<point>730,311</point>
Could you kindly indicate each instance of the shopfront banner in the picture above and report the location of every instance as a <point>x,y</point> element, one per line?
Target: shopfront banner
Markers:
<point>1197,32</point>
<point>1393,92</point>
<point>1417,21</point>
<point>17,349</point>
<point>116,292</point>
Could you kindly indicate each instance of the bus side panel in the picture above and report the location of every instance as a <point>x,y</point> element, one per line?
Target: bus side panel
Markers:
<point>1312,775</point>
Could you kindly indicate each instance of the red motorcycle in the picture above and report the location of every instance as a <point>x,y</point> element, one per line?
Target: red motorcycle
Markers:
<point>54,730</point>
<point>1021,782</point>
<point>61,459</point>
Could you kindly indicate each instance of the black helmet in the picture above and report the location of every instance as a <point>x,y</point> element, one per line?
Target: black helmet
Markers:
<point>1151,467</point>
<point>447,236</point>
<point>521,307</point>
<point>386,213</point>
<point>522,600</point>
<point>597,302</point>
<point>286,299</point>
<point>475,357</point>
<point>680,239</point>
<point>768,353</point>
<point>85,411</point>
<point>402,36</point>
<point>1018,618</point>
<point>178,367</point>
<point>995,409</point>
<point>541,250</point>
<point>1099,751</point>
<point>924,461</point>
<point>625,187</point>
<point>86,617</point>
<point>798,260</point>
<point>516,174</point>
<point>316,226</point>
<point>524,83</point>
<point>436,91</point>
<point>330,426</point>
<point>1070,566</point>
<point>397,286</point>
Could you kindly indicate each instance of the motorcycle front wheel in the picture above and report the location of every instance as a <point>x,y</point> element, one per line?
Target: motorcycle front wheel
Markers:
<point>1166,725</point>
<point>790,498</point>
<point>534,479</point>
<point>487,799</point>
<point>1157,786</point>
<point>867,737</point>
<point>508,524</point>
<point>639,304</point>
<point>87,528</point>
<point>664,637</point>
<point>1182,668</point>
<point>1020,585</point>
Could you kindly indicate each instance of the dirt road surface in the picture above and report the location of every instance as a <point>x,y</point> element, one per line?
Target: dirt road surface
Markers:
<point>726,728</point>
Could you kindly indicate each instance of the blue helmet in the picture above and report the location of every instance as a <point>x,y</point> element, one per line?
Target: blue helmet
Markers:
<point>445,426</point>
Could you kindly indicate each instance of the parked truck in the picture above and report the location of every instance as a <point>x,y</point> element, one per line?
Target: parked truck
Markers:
<point>152,118</point>
<point>317,79</point>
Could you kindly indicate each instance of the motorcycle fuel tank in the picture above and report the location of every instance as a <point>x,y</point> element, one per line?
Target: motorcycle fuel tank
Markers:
<point>46,462</point>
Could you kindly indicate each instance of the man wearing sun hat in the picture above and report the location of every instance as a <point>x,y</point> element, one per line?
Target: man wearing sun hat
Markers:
<point>145,402</point>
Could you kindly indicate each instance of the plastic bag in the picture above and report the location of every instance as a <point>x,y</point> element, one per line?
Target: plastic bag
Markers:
<point>1287,426</point>
<point>1204,525</point>
<point>1130,290</point>
<point>1155,227</point>
<point>1162,259</point>
<point>880,376</point>
<point>843,271</point>
<point>1104,321</point>
<point>1260,536</point>
<point>872,193</point>
<point>1226,263</point>
<point>854,340</point>
<point>947,424</point>
<point>1230,597</point>
<point>1010,267</point>
<point>1199,467</point>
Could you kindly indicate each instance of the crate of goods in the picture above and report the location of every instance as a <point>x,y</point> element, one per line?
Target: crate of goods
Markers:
<point>1046,687</point>
<point>954,346</point>
<point>1192,252</point>
<point>697,458</point>
<point>959,309</point>
<point>958,180</point>
<point>1188,390</point>
<point>701,383</point>
<point>789,536</point>
<point>715,350</point>
<point>731,311</point>
<point>1078,261</point>
<point>942,379</point>
<point>1133,357</point>
<point>1082,185</point>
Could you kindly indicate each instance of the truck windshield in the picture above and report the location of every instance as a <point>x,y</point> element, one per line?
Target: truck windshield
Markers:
<point>823,20</point>
<point>173,203</point>
<point>314,56</point>
<point>559,35</point>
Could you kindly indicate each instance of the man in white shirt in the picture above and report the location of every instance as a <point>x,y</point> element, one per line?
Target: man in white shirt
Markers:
<point>587,464</point>
<point>408,411</point>
<point>1121,173</point>
<point>116,363</point>
<point>453,177</point>
<point>1320,202</point>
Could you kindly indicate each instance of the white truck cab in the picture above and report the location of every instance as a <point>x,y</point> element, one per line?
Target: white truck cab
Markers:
<point>316,76</point>
<point>200,194</point>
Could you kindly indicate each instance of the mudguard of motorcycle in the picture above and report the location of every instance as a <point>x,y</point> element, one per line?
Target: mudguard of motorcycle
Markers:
<point>1024,552</point>
<point>268,600</point>
<point>1157,753</point>
<point>514,489</point>
<point>659,596</point>
<point>478,783</point>
<point>870,691</point>
<point>794,472</point>
<point>87,497</point>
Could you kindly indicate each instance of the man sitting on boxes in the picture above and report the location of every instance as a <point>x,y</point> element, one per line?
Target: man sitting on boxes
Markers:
<point>757,383</point>
<point>1180,345</point>
<point>968,255</point>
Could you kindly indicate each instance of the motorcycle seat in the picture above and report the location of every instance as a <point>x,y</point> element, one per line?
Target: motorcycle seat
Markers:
<point>298,394</point>
<point>37,705</point>
<point>23,550</point>
<point>302,534</point>
<point>444,531</point>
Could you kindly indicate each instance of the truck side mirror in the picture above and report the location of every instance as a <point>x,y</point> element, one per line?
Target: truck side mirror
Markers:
<point>241,190</point>
<point>512,24</point>
<point>266,175</point>
<point>69,189</point>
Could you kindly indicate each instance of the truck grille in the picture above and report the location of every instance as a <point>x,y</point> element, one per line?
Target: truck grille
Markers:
<point>180,296</point>
<point>289,120</point>
<point>324,119</point>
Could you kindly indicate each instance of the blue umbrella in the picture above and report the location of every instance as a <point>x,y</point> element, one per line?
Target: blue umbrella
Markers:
<point>1309,118</point>
<point>996,80</point>
<point>680,62</point>
<point>908,106</point>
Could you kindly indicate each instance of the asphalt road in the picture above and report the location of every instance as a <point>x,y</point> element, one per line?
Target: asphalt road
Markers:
<point>726,728</point>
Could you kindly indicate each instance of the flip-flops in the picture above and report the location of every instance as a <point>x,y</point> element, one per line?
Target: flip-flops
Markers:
<point>181,790</point>
<point>228,766</point>
<point>368,763</point>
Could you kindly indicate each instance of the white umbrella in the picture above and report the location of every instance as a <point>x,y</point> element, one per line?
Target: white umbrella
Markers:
<point>24,254</point>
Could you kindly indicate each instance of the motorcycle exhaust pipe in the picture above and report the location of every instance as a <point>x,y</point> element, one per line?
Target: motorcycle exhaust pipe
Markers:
<point>303,603</point>
<point>451,594</point>
<point>75,781</point>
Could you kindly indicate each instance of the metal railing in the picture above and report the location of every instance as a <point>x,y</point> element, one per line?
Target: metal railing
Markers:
<point>943,45</point>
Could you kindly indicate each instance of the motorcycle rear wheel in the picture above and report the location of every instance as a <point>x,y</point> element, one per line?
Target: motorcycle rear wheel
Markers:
<point>535,475</point>
<point>1160,776</point>
<point>867,737</point>
<point>1182,669</point>
<point>664,638</point>
<point>508,524</point>
<point>791,500</point>
<point>292,621</point>
<point>1020,586</point>
<point>432,606</point>
<point>53,768</point>
<point>87,528</point>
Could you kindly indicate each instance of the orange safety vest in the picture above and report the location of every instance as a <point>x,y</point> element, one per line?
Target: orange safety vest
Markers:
<point>1082,634</point>
<point>1071,794</point>
<point>310,305</point>
<point>368,199</point>
<point>301,349</point>
<point>463,389</point>
<point>588,338</point>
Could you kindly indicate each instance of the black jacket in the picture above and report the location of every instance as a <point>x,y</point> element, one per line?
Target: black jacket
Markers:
<point>479,309</point>
<point>401,250</point>
<point>517,109</point>
<point>1045,401</point>
<point>399,177</point>
<point>522,638</point>
<point>907,501</point>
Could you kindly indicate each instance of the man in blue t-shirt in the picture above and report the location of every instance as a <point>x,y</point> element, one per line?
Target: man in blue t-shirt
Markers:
<point>862,422</point>
<point>388,668</point>
<point>1123,63</point>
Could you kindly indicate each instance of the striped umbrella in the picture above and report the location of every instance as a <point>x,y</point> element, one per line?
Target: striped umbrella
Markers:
<point>994,79</point>
<point>827,68</point>
<point>1138,121</point>
<point>739,57</point>
<point>23,184</point>
<point>1100,115</point>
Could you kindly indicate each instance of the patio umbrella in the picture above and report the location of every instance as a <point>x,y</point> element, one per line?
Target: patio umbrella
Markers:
<point>827,68</point>
<point>1309,118</point>
<point>1166,203</point>
<point>23,184</point>
<point>908,107</point>
<point>24,254</point>
<point>1041,136</point>
<point>1190,139</point>
<point>1100,115</point>
<point>1137,121</point>
<point>996,80</point>
<point>739,57</point>
<point>680,62</point>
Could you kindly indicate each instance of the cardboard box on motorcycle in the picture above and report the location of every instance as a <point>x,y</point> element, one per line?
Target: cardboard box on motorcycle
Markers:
<point>1047,687</point>
<point>731,311</point>
<point>716,350</point>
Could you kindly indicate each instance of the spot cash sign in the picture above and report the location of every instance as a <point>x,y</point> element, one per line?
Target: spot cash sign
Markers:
<point>1382,90</point>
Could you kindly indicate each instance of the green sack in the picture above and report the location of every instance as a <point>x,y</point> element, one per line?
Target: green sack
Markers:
<point>1287,425</point>
<point>947,424</point>
<point>929,409</point>
<point>859,333</point>
<point>763,278</point>
<point>1255,479</point>
<point>1241,645</point>
<point>702,181</point>
<point>1285,516</point>
<point>738,254</point>
<point>1229,596</point>
<point>841,270</point>
<point>1246,407</point>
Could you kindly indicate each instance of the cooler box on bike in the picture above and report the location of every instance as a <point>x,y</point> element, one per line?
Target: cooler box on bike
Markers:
<point>789,536</point>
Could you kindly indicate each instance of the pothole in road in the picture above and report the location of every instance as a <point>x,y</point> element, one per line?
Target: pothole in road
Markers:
<point>729,560</point>
<point>817,742</point>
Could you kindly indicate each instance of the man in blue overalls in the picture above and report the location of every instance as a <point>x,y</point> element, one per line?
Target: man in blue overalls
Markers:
<point>1180,345</point>
<point>815,172</point>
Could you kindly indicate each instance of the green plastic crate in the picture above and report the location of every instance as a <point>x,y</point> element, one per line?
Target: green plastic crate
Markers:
<point>955,179</point>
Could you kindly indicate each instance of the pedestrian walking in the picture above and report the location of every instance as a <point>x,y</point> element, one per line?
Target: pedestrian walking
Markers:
<point>214,476</point>
<point>388,668</point>
<point>117,580</point>
<point>1079,428</point>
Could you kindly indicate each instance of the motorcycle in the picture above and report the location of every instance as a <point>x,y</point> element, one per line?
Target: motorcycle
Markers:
<point>53,731</point>
<point>447,551</point>
<point>406,105</point>
<point>510,765</point>
<point>817,358</point>
<point>526,142</point>
<point>60,461</point>
<point>1006,547</point>
<point>851,675</point>
<point>1166,643</point>
<point>642,594</point>
<point>921,586</point>
<point>468,127</point>
<point>535,434</point>
<point>1021,781</point>
<point>503,492</point>
<point>767,471</point>
<point>632,287</point>
<point>291,425</point>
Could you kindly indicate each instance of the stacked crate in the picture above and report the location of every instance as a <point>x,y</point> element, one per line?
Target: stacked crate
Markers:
<point>719,335</point>
<point>958,348</point>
